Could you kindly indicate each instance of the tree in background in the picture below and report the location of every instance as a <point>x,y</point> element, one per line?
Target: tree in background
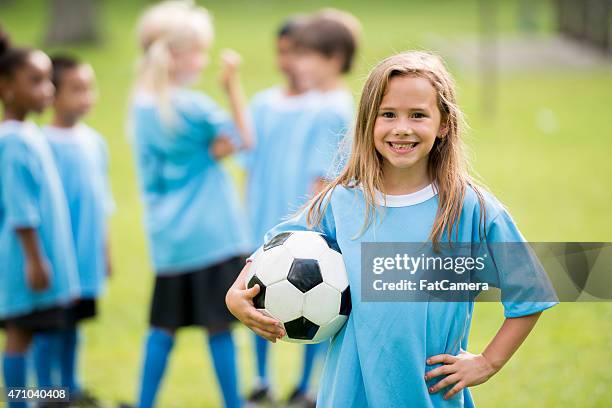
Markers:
<point>72,21</point>
<point>588,21</point>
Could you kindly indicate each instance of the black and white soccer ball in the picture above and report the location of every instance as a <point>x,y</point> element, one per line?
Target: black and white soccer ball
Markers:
<point>303,283</point>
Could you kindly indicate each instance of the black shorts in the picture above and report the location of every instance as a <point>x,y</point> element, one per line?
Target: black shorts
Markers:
<point>41,320</point>
<point>82,309</point>
<point>195,298</point>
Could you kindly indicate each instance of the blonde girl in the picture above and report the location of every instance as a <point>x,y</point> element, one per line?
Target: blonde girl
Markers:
<point>407,181</point>
<point>195,226</point>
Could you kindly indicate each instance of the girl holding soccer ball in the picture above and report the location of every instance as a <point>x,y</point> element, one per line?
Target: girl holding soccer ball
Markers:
<point>406,180</point>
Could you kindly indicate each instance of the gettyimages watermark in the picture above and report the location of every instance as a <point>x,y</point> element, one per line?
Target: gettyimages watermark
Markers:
<point>508,272</point>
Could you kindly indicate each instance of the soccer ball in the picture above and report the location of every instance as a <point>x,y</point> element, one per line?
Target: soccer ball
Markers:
<point>303,284</point>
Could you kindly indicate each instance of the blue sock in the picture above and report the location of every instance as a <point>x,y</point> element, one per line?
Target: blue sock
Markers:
<point>14,368</point>
<point>45,350</point>
<point>224,360</point>
<point>310,353</point>
<point>261,350</point>
<point>158,346</point>
<point>69,361</point>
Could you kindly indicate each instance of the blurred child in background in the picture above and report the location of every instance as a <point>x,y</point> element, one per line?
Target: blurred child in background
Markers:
<point>81,156</point>
<point>298,128</point>
<point>38,273</point>
<point>195,225</point>
<point>275,181</point>
<point>326,45</point>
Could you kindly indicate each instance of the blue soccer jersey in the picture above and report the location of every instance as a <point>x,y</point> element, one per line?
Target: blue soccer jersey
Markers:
<point>329,134</point>
<point>193,215</point>
<point>32,197</point>
<point>81,157</point>
<point>297,138</point>
<point>379,356</point>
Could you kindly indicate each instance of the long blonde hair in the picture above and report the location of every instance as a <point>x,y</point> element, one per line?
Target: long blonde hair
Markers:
<point>169,26</point>
<point>448,165</point>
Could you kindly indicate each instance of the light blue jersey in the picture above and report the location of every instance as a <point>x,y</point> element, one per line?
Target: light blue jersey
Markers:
<point>193,215</point>
<point>32,197</point>
<point>81,157</point>
<point>329,134</point>
<point>297,138</point>
<point>378,358</point>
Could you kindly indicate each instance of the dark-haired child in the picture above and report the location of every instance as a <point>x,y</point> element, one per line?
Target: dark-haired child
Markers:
<point>326,45</point>
<point>82,160</point>
<point>298,129</point>
<point>38,275</point>
<point>280,115</point>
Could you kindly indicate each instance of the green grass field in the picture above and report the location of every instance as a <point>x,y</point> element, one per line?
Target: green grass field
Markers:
<point>557,186</point>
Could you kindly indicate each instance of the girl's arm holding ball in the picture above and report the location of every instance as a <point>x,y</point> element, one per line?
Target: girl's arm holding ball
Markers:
<point>239,301</point>
<point>467,369</point>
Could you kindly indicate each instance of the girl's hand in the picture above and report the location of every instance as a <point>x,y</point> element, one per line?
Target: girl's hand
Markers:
<point>240,304</point>
<point>37,274</point>
<point>463,370</point>
<point>222,147</point>
<point>230,61</point>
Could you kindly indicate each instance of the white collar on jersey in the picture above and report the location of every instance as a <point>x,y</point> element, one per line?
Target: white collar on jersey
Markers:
<point>63,135</point>
<point>406,200</point>
<point>11,125</point>
<point>284,102</point>
<point>143,98</point>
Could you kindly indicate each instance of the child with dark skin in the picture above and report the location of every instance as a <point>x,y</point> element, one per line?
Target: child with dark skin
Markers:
<point>72,101</point>
<point>38,274</point>
<point>28,90</point>
<point>81,158</point>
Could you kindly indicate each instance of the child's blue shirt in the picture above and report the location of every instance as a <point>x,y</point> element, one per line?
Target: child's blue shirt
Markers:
<point>81,156</point>
<point>297,138</point>
<point>31,196</point>
<point>193,216</point>
<point>378,357</point>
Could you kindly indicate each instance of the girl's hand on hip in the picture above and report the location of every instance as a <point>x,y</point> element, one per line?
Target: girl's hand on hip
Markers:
<point>463,370</point>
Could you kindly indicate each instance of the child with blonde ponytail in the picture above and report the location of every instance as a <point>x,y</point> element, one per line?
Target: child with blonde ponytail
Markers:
<point>406,181</point>
<point>194,223</point>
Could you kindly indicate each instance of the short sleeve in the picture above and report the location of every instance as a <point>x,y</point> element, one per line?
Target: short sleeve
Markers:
<point>109,201</point>
<point>20,187</point>
<point>206,118</point>
<point>329,128</point>
<point>299,223</point>
<point>514,268</point>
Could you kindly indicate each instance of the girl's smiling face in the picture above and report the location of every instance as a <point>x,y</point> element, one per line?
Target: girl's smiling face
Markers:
<point>407,125</point>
